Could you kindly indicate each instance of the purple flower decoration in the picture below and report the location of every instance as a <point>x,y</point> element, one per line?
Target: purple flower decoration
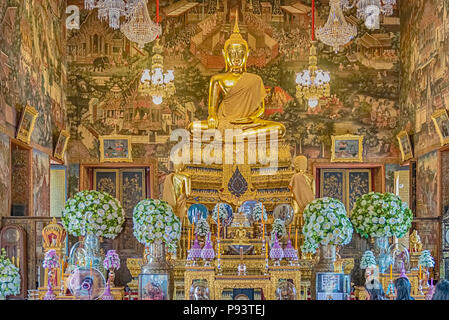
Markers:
<point>208,253</point>
<point>51,260</point>
<point>195,251</point>
<point>276,252</point>
<point>111,260</point>
<point>290,253</point>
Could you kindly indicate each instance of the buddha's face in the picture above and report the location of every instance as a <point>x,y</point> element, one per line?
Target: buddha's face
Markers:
<point>235,56</point>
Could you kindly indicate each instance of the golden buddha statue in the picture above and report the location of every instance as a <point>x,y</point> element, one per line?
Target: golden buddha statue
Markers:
<point>177,188</point>
<point>302,188</point>
<point>415,242</point>
<point>236,97</point>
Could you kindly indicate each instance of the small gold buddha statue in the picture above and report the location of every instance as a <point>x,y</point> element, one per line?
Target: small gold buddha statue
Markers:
<point>415,242</point>
<point>236,97</point>
<point>177,189</point>
<point>302,187</point>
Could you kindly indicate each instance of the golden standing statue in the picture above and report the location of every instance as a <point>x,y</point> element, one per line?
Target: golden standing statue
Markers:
<point>236,97</point>
<point>302,187</point>
<point>177,189</point>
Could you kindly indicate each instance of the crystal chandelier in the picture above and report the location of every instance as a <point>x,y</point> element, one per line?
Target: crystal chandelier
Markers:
<point>156,84</point>
<point>140,28</point>
<point>336,32</point>
<point>313,83</point>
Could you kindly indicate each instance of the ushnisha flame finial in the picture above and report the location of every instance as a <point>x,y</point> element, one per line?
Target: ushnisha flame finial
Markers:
<point>236,36</point>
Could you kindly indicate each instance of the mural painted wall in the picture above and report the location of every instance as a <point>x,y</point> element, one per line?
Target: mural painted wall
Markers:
<point>5,175</point>
<point>104,69</point>
<point>41,184</point>
<point>33,72</point>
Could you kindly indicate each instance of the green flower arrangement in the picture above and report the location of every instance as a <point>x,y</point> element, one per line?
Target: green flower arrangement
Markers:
<point>93,212</point>
<point>426,260</point>
<point>202,228</point>
<point>155,221</point>
<point>9,276</point>
<point>381,215</point>
<point>368,260</point>
<point>256,214</point>
<point>326,223</point>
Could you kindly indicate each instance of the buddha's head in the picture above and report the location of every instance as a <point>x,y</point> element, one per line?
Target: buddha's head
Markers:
<point>300,163</point>
<point>236,50</point>
<point>178,166</point>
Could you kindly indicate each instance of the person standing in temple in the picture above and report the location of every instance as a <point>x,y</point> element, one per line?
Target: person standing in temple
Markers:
<point>441,290</point>
<point>403,288</point>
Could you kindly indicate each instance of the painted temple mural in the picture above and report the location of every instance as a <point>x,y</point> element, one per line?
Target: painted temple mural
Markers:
<point>32,65</point>
<point>104,69</point>
<point>5,174</point>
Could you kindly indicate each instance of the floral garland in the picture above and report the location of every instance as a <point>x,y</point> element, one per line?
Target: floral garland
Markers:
<point>111,260</point>
<point>93,212</point>
<point>223,212</point>
<point>256,213</point>
<point>381,215</point>
<point>309,247</point>
<point>326,223</point>
<point>426,260</point>
<point>202,228</point>
<point>9,276</point>
<point>51,260</point>
<point>155,221</point>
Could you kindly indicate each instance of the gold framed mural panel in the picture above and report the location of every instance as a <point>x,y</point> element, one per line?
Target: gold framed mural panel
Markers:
<point>405,145</point>
<point>122,145</point>
<point>349,149</point>
<point>26,124</point>
<point>131,190</point>
<point>61,145</point>
<point>441,120</point>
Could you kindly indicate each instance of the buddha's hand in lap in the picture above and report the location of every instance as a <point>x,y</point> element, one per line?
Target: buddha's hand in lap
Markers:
<point>242,121</point>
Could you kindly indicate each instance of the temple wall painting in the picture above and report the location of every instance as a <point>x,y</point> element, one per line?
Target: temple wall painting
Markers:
<point>425,64</point>
<point>104,69</point>
<point>5,175</point>
<point>41,184</point>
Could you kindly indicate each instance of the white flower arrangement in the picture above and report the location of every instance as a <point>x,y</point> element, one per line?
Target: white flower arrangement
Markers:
<point>368,260</point>
<point>93,212</point>
<point>202,227</point>
<point>381,215</point>
<point>279,229</point>
<point>256,213</point>
<point>9,276</point>
<point>111,260</point>
<point>155,221</point>
<point>326,223</point>
<point>426,260</point>
<point>223,212</point>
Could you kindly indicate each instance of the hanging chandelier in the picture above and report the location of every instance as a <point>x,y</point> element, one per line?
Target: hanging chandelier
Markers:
<point>336,32</point>
<point>154,82</point>
<point>140,28</point>
<point>313,83</point>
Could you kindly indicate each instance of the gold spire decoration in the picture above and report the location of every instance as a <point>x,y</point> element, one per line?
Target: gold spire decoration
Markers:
<point>236,37</point>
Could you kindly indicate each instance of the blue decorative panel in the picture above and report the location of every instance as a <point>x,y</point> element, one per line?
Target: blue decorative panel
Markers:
<point>333,185</point>
<point>359,184</point>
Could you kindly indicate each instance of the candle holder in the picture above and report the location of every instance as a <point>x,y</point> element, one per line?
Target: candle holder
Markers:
<point>420,288</point>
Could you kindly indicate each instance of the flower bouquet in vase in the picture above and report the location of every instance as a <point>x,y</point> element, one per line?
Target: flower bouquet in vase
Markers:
<point>9,277</point>
<point>93,214</point>
<point>278,230</point>
<point>380,216</point>
<point>426,262</point>
<point>326,224</point>
<point>156,226</point>
<point>111,262</point>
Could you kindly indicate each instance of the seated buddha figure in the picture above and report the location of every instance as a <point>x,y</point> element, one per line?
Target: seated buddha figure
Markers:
<point>236,97</point>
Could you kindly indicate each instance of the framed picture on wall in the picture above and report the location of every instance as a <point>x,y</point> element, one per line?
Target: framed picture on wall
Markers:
<point>347,148</point>
<point>61,145</point>
<point>441,121</point>
<point>405,145</point>
<point>26,124</point>
<point>115,149</point>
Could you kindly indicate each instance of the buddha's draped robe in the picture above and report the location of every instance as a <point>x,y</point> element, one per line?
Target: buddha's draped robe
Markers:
<point>243,99</point>
<point>301,186</point>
